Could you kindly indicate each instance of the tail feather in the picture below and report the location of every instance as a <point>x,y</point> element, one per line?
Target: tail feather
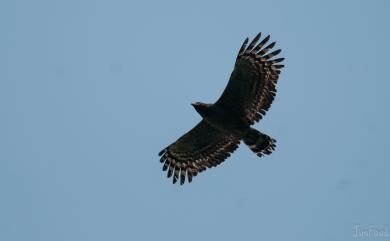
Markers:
<point>261,144</point>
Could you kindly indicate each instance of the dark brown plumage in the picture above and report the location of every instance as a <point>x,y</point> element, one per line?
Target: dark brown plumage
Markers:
<point>245,100</point>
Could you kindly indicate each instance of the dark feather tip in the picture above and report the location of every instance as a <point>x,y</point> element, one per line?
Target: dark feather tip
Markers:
<point>182,177</point>
<point>170,172</point>
<point>162,152</point>
<point>165,167</point>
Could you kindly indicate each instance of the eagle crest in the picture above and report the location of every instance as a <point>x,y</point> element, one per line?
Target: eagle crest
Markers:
<point>245,100</point>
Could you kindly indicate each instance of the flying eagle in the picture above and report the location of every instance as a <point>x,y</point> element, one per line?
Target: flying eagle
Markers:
<point>245,100</point>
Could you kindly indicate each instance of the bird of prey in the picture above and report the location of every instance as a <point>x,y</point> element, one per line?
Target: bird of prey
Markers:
<point>245,100</point>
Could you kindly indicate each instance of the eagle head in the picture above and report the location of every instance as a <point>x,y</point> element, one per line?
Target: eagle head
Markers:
<point>200,107</point>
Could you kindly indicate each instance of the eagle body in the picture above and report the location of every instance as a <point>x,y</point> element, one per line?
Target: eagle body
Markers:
<point>222,119</point>
<point>248,95</point>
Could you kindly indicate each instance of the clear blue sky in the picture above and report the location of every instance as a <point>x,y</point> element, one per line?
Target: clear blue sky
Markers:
<point>91,91</point>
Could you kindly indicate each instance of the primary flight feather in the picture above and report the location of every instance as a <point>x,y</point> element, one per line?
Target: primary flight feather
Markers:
<point>245,100</point>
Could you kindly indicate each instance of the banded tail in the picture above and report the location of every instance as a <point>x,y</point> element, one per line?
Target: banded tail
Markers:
<point>261,144</point>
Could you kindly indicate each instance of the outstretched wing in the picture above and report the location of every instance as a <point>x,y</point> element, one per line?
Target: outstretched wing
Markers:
<point>251,88</point>
<point>200,148</point>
